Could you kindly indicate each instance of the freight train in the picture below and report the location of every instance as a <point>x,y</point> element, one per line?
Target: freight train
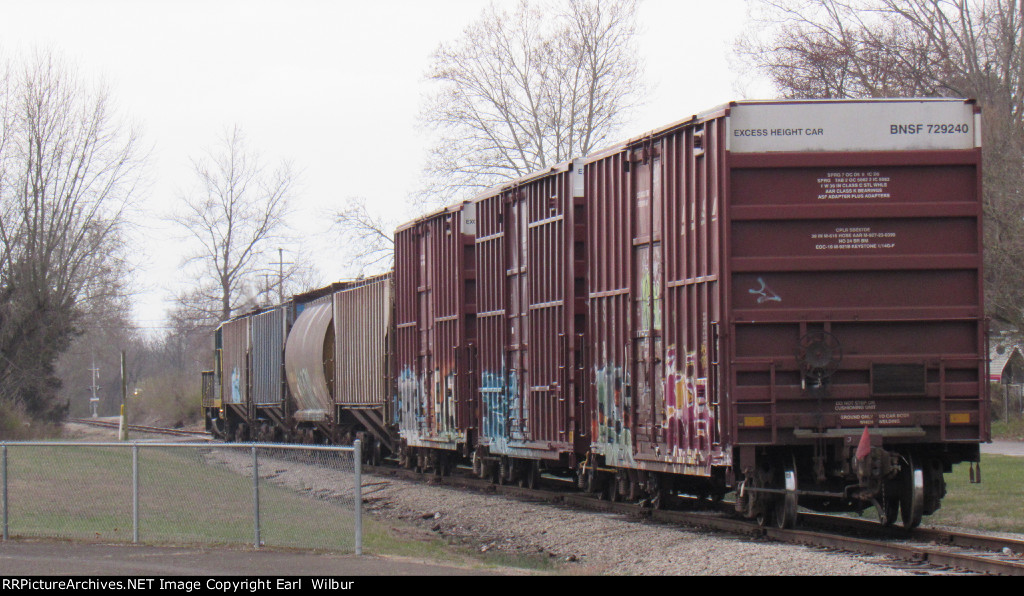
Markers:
<point>783,299</point>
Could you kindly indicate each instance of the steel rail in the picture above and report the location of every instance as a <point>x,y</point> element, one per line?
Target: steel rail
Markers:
<point>140,428</point>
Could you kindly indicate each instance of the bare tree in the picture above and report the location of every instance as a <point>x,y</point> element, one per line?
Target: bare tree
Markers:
<point>521,91</point>
<point>889,48</point>
<point>68,171</point>
<point>234,215</point>
<point>368,239</point>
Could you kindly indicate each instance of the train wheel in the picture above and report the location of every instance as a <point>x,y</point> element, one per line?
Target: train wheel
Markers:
<point>912,494</point>
<point>890,508</point>
<point>658,493</point>
<point>613,490</point>
<point>532,474</point>
<point>446,463</point>
<point>478,465</point>
<point>765,516</point>
<point>589,480</point>
<point>634,492</point>
<point>786,505</point>
<point>756,505</point>
<point>504,470</point>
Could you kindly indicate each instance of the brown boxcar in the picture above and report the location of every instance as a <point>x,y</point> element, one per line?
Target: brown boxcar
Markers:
<point>769,279</point>
<point>435,316</point>
<point>531,309</point>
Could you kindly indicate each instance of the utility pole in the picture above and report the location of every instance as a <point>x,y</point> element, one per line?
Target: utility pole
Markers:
<point>280,274</point>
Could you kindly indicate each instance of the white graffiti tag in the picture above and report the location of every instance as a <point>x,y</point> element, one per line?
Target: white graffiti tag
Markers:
<point>765,294</point>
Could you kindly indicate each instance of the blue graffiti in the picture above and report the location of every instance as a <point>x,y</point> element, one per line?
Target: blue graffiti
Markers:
<point>501,402</point>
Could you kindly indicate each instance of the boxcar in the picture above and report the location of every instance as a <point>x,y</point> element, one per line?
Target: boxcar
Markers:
<point>531,309</point>
<point>435,327</point>
<point>786,298</point>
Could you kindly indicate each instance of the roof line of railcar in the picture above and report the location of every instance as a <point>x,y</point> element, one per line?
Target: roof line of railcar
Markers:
<point>252,312</point>
<point>491,191</point>
<point>558,168</point>
<point>338,286</point>
<point>453,208</point>
<point>303,297</point>
<point>703,116</point>
<point>725,108</point>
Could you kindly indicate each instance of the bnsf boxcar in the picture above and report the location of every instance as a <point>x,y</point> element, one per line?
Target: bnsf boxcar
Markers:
<point>786,298</point>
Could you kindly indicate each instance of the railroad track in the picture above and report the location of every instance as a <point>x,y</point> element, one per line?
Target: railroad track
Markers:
<point>928,551</point>
<point>146,429</point>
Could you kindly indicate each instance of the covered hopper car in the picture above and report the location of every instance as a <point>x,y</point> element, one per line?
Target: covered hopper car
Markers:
<point>781,299</point>
<point>314,369</point>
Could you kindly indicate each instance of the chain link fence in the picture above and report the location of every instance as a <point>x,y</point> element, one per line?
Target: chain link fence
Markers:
<point>184,493</point>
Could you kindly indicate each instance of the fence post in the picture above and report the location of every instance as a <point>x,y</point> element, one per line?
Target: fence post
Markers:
<point>135,492</point>
<point>256,495</point>
<point>357,454</point>
<point>4,466</point>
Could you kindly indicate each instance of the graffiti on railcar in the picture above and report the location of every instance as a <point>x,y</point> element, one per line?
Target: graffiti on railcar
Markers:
<point>444,422</point>
<point>407,410</point>
<point>236,388</point>
<point>501,402</point>
<point>614,415</point>
<point>423,414</point>
<point>689,419</point>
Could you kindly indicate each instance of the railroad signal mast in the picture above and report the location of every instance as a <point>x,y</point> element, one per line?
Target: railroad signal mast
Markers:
<point>94,401</point>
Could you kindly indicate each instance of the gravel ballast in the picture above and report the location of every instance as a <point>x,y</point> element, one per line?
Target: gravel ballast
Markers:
<point>579,542</point>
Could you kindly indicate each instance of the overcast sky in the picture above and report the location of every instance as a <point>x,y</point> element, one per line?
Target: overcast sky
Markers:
<point>334,86</point>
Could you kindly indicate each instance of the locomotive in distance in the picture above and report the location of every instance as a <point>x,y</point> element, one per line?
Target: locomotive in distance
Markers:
<point>661,318</point>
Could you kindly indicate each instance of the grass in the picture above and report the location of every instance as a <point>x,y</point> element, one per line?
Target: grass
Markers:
<point>85,493</point>
<point>997,504</point>
<point>1008,430</point>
